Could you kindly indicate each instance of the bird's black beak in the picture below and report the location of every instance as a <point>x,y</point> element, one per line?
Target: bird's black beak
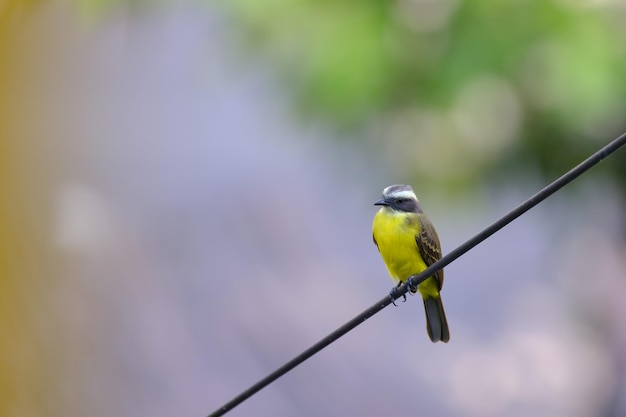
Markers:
<point>381,202</point>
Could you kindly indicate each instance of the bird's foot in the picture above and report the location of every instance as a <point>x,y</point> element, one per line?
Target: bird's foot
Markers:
<point>394,295</point>
<point>411,287</point>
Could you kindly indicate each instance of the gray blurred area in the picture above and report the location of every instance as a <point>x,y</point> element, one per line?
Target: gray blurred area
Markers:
<point>193,234</point>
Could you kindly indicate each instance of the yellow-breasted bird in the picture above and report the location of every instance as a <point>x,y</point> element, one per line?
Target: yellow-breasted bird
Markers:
<point>408,243</point>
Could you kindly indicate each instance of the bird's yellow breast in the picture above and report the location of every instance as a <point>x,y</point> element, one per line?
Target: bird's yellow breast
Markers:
<point>395,234</point>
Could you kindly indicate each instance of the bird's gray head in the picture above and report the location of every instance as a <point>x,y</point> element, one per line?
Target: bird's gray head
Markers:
<point>400,198</point>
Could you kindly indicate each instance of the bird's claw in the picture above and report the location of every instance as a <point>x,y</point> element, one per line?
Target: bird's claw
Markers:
<point>394,296</point>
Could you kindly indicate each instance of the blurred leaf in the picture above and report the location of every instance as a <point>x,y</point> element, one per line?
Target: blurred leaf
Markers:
<point>333,52</point>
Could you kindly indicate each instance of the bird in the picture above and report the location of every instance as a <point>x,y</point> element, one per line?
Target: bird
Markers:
<point>408,243</point>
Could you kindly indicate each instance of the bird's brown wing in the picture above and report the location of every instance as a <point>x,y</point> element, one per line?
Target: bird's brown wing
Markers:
<point>429,246</point>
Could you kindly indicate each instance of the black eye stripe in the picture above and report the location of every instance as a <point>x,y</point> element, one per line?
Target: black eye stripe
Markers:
<point>405,204</point>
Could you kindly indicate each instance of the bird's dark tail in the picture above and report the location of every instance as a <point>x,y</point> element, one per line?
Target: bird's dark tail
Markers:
<point>436,323</point>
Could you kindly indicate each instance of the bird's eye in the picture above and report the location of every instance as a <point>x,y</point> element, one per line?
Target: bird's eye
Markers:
<point>400,200</point>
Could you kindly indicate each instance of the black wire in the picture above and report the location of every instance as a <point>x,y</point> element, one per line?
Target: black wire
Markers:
<point>415,280</point>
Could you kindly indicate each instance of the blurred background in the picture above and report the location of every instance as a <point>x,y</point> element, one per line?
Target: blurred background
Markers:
<point>186,201</point>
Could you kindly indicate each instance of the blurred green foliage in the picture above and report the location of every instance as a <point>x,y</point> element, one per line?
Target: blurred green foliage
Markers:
<point>481,86</point>
<point>453,91</point>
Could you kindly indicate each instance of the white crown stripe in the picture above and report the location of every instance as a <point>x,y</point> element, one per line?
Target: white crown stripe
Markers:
<point>395,191</point>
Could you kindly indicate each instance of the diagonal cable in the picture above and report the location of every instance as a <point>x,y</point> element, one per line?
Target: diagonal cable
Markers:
<point>415,280</point>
